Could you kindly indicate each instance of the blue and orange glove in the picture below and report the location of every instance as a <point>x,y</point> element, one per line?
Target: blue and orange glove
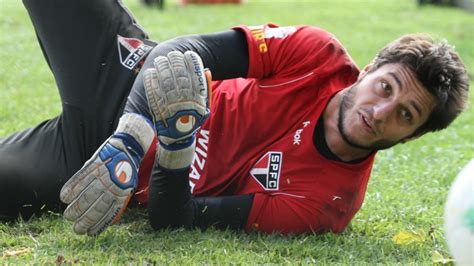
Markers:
<point>99,192</point>
<point>177,90</point>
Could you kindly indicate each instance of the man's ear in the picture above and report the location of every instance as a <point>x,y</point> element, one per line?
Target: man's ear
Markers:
<point>365,70</point>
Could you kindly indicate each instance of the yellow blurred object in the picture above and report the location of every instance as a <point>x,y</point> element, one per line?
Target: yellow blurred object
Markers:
<point>408,237</point>
<point>16,252</point>
<point>438,258</point>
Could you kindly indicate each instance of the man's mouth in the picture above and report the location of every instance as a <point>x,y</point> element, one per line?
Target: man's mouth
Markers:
<point>367,125</point>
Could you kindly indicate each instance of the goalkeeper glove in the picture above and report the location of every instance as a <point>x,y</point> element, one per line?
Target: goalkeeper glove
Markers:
<point>177,90</point>
<point>100,191</point>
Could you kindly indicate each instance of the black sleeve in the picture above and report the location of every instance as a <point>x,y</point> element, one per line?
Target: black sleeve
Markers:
<point>228,54</point>
<point>224,53</point>
<point>171,205</point>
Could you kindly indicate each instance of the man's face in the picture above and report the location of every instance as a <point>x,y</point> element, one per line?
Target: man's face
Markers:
<point>384,107</point>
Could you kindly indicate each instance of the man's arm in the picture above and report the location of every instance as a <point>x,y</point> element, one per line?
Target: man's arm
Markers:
<point>171,205</point>
<point>224,53</point>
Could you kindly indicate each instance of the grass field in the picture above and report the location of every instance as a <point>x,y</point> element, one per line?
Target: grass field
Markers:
<point>401,221</point>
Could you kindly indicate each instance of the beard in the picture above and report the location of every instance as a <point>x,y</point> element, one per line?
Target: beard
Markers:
<point>347,103</point>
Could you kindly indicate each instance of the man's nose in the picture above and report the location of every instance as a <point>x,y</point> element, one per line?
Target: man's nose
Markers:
<point>383,111</point>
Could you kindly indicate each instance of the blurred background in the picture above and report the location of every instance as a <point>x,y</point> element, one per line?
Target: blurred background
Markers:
<point>363,26</point>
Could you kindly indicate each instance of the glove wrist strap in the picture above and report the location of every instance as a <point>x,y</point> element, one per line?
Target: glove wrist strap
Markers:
<point>170,159</point>
<point>138,127</point>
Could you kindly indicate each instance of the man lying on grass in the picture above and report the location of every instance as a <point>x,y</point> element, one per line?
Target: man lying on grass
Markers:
<point>284,143</point>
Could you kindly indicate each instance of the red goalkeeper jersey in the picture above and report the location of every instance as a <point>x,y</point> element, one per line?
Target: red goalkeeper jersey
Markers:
<point>259,137</point>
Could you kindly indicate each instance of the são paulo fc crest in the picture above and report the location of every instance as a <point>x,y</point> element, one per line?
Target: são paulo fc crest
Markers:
<point>267,170</point>
<point>131,51</point>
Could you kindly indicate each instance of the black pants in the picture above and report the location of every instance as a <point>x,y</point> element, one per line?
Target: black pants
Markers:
<point>79,39</point>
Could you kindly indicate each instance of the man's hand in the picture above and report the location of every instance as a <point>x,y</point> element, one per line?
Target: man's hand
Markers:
<point>100,191</point>
<point>177,90</point>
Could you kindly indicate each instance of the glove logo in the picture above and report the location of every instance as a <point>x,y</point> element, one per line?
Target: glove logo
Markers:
<point>185,123</point>
<point>123,172</point>
<point>267,170</point>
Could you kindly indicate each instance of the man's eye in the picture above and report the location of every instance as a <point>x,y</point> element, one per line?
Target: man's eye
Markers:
<point>406,115</point>
<point>387,89</point>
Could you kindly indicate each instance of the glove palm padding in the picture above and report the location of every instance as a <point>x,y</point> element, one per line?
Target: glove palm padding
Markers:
<point>177,91</point>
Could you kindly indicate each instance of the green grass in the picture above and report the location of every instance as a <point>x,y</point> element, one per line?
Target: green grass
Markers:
<point>406,192</point>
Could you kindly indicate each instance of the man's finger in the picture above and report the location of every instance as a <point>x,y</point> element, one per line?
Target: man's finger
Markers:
<point>181,75</point>
<point>79,181</point>
<point>208,75</point>
<point>155,103</point>
<point>84,201</point>
<point>196,69</point>
<point>165,79</point>
<point>98,216</point>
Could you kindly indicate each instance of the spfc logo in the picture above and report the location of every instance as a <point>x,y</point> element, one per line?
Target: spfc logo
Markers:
<point>131,51</point>
<point>267,170</point>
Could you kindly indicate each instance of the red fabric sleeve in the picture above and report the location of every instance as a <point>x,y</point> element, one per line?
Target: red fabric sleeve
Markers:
<point>287,50</point>
<point>286,214</point>
<point>144,173</point>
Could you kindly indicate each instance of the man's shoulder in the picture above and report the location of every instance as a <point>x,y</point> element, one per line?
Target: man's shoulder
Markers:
<point>272,30</point>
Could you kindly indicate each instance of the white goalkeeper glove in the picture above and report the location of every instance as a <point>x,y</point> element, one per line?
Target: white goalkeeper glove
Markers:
<point>100,191</point>
<point>177,90</point>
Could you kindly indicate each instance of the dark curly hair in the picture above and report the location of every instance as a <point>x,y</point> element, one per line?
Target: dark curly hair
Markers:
<point>439,68</point>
